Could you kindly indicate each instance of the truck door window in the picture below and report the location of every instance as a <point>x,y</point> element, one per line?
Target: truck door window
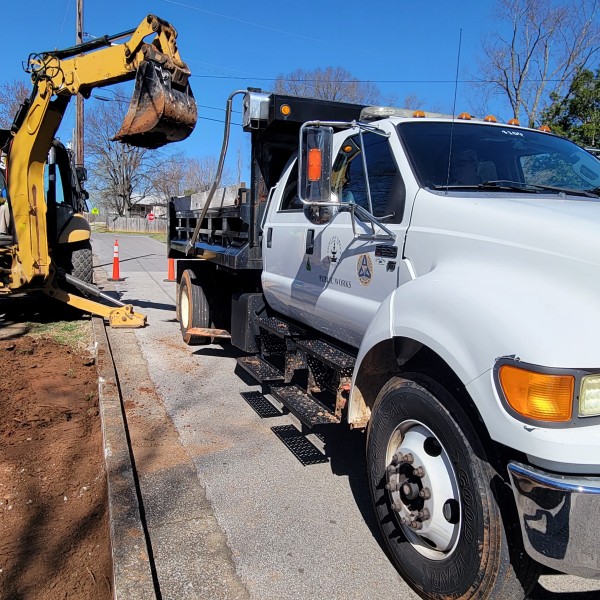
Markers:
<point>385,182</point>
<point>289,198</point>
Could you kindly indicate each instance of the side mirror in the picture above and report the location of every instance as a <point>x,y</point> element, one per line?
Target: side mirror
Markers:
<point>314,169</point>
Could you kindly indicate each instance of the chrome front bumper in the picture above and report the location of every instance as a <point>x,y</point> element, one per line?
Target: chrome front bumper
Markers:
<point>560,519</point>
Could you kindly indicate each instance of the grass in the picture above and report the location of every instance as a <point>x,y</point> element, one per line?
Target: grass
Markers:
<point>101,228</point>
<point>76,334</point>
<point>160,237</point>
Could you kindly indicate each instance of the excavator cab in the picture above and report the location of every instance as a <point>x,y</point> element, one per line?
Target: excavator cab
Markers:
<point>162,109</point>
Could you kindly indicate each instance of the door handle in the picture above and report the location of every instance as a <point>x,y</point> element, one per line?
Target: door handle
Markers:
<point>269,237</point>
<point>310,241</point>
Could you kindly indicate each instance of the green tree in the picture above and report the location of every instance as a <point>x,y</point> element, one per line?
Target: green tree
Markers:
<point>576,115</point>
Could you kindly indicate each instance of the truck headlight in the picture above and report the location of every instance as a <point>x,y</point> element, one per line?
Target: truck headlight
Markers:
<point>589,396</point>
<point>540,396</point>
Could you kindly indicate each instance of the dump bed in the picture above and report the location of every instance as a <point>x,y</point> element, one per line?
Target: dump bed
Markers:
<point>230,233</point>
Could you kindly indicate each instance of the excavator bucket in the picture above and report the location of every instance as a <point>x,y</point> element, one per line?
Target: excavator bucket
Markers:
<point>160,111</point>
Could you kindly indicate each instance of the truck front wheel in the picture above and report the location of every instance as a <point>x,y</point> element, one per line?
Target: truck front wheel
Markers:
<point>194,310</point>
<point>437,498</point>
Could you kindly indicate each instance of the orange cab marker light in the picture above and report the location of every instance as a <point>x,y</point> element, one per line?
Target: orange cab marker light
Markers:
<point>539,396</point>
<point>465,116</point>
<point>545,128</point>
<point>514,122</point>
<point>285,110</point>
<point>347,149</point>
<point>419,114</point>
<point>314,164</point>
<point>490,119</point>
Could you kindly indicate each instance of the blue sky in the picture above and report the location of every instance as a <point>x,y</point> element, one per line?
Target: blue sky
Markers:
<point>405,48</point>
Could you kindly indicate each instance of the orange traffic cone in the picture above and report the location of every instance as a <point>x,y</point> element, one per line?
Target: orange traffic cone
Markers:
<point>171,273</point>
<point>115,274</point>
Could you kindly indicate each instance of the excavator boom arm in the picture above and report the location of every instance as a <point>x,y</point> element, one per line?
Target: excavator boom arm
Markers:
<point>72,72</point>
<point>162,111</point>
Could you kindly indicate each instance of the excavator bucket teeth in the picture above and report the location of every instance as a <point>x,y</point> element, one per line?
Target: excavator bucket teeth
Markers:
<point>160,111</point>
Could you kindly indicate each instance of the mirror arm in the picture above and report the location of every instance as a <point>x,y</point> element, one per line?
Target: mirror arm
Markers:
<point>367,215</point>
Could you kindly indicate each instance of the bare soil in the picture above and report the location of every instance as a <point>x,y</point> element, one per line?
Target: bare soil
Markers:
<point>54,537</point>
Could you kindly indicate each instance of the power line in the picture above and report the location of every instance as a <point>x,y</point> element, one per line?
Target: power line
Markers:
<point>63,23</point>
<point>362,80</point>
<point>244,22</point>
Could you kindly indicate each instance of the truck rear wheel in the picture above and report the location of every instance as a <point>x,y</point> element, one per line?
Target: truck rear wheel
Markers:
<point>194,310</point>
<point>437,498</point>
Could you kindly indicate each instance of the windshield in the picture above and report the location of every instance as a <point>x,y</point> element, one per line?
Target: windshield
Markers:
<point>495,157</point>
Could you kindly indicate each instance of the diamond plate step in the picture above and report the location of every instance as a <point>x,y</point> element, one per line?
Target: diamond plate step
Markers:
<point>273,325</point>
<point>309,410</point>
<point>261,370</point>
<point>263,408</point>
<point>329,355</point>
<point>299,445</point>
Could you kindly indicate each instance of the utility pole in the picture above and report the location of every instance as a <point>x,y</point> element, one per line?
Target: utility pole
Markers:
<point>79,99</point>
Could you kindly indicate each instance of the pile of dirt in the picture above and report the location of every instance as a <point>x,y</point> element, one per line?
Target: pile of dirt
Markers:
<point>54,538</point>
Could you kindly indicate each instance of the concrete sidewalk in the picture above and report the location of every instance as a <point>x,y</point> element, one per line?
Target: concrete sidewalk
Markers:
<point>166,542</point>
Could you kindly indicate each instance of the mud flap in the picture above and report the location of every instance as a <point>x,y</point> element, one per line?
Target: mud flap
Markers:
<point>160,111</point>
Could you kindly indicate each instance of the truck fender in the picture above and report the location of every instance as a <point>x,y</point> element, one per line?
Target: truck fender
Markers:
<point>469,316</point>
<point>413,316</point>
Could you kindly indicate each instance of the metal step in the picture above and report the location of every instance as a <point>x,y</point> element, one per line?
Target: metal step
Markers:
<point>301,447</point>
<point>261,370</point>
<point>261,405</point>
<point>309,410</point>
<point>273,325</point>
<point>329,355</point>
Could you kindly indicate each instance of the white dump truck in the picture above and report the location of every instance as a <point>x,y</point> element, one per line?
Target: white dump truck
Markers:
<point>434,280</point>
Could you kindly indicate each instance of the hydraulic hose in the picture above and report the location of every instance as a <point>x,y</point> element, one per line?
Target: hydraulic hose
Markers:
<point>217,180</point>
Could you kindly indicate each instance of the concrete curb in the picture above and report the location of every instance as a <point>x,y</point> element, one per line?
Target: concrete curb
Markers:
<point>132,573</point>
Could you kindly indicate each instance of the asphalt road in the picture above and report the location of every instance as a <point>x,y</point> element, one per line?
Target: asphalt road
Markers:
<point>294,531</point>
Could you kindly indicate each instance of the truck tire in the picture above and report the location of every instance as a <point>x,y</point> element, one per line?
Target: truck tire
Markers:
<point>194,310</point>
<point>423,454</point>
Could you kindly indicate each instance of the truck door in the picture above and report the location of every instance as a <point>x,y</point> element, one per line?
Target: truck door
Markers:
<point>339,281</point>
<point>284,247</point>
<point>351,275</point>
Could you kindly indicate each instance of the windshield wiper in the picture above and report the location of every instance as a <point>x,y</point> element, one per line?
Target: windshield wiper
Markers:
<point>519,186</point>
<point>594,192</point>
<point>492,185</point>
<point>531,187</point>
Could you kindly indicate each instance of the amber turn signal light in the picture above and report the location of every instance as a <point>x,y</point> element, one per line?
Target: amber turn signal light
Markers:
<point>539,396</point>
<point>314,164</point>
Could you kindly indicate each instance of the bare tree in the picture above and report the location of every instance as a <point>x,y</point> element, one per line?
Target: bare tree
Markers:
<point>201,174</point>
<point>12,93</point>
<point>331,83</point>
<point>169,176</point>
<point>177,175</point>
<point>413,101</point>
<point>120,174</point>
<point>547,43</point>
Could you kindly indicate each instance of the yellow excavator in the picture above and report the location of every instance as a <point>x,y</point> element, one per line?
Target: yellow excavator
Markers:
<point>46,247</point>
